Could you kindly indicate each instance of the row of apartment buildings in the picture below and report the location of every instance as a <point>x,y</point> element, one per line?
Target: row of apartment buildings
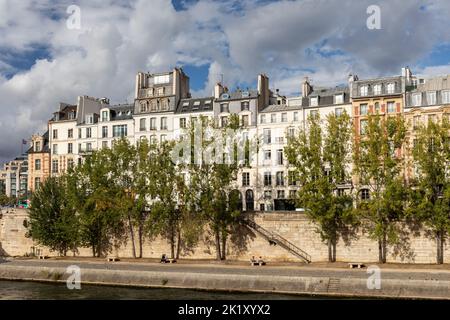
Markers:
<point>163,108</point>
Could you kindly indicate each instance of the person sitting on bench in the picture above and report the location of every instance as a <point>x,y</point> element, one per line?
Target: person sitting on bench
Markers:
<point>253,261</point>
<point>163,259</point>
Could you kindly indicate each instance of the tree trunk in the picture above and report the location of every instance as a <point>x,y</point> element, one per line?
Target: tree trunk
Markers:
<point>140,235</point>
<point>133,246</point>
<point>331,250</point>
<point>179,245</point>
<point>224,246</point>
<point>172,243</point>
<point>440,247</point>
<point>218,254</point>
<point>93,250</point>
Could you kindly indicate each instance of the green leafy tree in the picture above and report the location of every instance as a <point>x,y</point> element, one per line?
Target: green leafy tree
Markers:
<point>211,180</point>
<point>53,222</point>
<point>96,198</point>
<point>378,166</point>
<point>430,196</point>
<point>320,160</point>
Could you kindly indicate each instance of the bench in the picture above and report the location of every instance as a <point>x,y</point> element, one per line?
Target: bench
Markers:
<point>112,259</point>
<point>257,263</point>
<point>43,257</point>
<point>358,265</point>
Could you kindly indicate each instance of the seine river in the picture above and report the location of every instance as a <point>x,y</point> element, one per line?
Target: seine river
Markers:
<point>19,290</point>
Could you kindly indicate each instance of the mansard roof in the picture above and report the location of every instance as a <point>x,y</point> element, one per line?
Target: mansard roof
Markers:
<point>192,105</point>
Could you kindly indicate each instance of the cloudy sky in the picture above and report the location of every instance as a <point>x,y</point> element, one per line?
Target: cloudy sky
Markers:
<point>42,62</point>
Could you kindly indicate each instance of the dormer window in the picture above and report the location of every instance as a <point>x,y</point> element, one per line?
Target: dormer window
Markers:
<point>245,94</point>
<point>245,106</point>
<point>364,90</point>
<point>104,116</point>
<point>71,115</point>
<point>225,96</point>
<point>314,101</point>
<point>90,119</point>
<point>161,79</point>
<point>339,99</point>
<point>377,89</point>
<point>208,102</point>
<point>391,88</point>
<point>417,99</point>
<point>196,105</point>
<point>431,98</point>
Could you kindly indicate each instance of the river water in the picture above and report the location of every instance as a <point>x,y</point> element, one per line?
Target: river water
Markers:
<point>19,290</point>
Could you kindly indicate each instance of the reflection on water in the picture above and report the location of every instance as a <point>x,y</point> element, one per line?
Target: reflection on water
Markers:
<point>33,290</point>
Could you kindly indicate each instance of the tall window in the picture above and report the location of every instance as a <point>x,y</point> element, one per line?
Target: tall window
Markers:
<point>37,164</point>
<point>280,178</point>
<point>338,112</point>
<point>152,123</point>
<point>142,126</point>
<point>105,132</point>
<point>37,183</point>
<point>364,91</point>
<point>104,115</point>
<point>55,149</point>
<point>70,133</point>
<point>224,107</point>
<point>54,166</point>
<point>163,123</point>
<point>163,138</point>
<point>267,179</point>
<point>445,96</point>
<point>245,179</point>
<point>37,146</point>
<point>431,98</point>
<point>364,110</point>
<point>377,107</point>
<point>280,160</point>
<point>120,131</point>
<point>79,133</point>
<point>377,89</point>
<point>55,133</point>
<point>391,107</point>
<point>296,116</point>
<point>224,121</point>
<point>273,118</point>
<point>267,136</point>
<point>267,155</point>
<point>263,118</point>
<point>70,148</point>
<point>69,163</point>
<point>314,114</point>
<point>284,117</point>
<point>245,106</point>
<point>245,120</point>
<point>182,122</point>
<point>88,132</point>
<point>104,144</point>
<point>417,99</point>
<point>391,88</point>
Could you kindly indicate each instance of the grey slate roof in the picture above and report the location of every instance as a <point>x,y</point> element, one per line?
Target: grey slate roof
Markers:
<point>121,112</point>
<point>280,108</point>
<point>195,105</point>
<point>239,95</point>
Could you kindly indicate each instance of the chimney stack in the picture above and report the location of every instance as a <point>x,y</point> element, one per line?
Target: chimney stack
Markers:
<point>218,90</point>
<point>306,87</point>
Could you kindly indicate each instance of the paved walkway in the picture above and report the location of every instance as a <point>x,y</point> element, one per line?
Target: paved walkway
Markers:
<point>211,268</point>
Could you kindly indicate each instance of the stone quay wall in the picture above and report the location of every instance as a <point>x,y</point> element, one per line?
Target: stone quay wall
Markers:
<point>293,226</point>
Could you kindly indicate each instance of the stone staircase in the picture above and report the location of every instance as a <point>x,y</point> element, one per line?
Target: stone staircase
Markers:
<point>276,239</point>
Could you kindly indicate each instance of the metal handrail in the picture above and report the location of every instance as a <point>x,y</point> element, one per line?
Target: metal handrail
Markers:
<point>272,236</point>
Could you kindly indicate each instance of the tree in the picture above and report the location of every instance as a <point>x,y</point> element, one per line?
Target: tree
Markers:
<point>378,167</point>
<point>53,221</point>
<point>96,198</point>
<point>320,160</point>
<point>211,173</point>
<point>430,196</point>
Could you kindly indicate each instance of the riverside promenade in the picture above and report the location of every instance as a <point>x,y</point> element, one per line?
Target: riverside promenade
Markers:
<point>334,280</point>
